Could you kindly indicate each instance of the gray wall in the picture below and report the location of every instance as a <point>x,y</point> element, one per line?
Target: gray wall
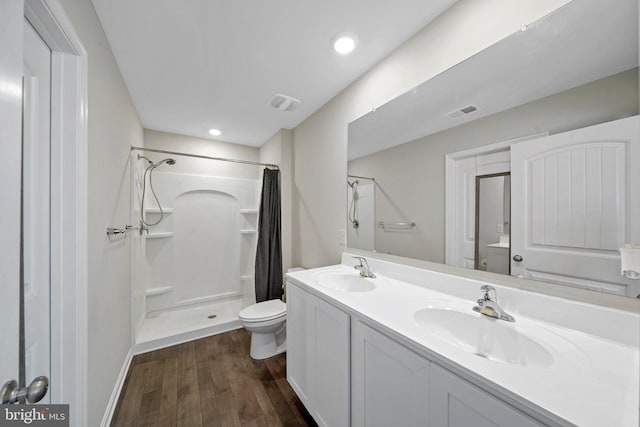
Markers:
<point>320,142</point>
<point>113,126</point>
<point>411,176</point>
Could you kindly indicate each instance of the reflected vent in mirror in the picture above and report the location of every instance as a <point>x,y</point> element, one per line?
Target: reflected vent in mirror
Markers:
<point>462,111</point>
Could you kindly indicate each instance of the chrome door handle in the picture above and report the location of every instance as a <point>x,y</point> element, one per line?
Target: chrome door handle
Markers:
<point>517,258</point>
<point>11,393</point>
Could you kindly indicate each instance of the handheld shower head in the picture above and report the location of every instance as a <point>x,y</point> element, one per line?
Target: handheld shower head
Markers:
<point>167,161</point>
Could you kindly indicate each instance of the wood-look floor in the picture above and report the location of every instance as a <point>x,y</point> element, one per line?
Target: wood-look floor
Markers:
<point>209,382</point>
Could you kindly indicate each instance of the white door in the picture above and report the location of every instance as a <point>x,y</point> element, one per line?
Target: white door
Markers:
<point>35,203</point>
<point>10,155</point>
<point>25,262</point>
<point>575,202</point>
<point>463,233</point>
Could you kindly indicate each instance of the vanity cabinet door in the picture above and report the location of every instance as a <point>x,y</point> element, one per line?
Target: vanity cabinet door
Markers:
<point>318,355</point>
<point>299,342</point>
<point>390,383</point>
<point>331,368</point>
<point>457,403</point>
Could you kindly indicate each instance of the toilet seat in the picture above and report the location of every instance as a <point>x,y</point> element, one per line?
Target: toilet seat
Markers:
<point>263,311</point>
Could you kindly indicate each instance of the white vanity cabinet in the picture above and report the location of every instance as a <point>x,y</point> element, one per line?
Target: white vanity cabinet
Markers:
<point>348,372</point>
<point>457,403</point>
<point>318,356</point>
<point>390,383</point>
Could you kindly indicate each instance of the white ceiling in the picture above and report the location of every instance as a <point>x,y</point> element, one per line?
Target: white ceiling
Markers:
<point>192,65</point>
<point>583,41</point>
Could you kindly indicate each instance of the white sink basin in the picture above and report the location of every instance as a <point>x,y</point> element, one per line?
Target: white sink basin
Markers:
<point>345,282</point>
<point>492,339</point>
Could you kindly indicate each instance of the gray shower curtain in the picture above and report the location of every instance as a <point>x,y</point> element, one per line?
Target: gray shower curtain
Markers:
<point>268,269</point>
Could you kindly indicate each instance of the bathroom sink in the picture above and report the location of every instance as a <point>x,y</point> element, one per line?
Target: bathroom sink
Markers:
<point>341,281</point>
<point>491,339</point>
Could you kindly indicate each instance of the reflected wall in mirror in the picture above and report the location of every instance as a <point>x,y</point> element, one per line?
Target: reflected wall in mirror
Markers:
<point>557,77</point>
<point>492,220</point>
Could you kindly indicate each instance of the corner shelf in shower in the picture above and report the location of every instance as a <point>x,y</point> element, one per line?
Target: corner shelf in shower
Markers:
<point>248,231</point>
<point>158,291</point>
<point>246,277</point>
<point>248,211</point>
<point>159,235</point>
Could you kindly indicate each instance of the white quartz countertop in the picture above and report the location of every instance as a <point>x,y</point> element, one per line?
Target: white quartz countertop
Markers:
<point>585,380</point>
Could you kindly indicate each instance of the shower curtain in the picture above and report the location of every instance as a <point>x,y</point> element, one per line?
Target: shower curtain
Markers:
<point>268,268</point>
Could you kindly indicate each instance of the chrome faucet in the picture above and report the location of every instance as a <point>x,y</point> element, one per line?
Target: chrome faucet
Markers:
<point>363,267</point>
<point>489,306</point>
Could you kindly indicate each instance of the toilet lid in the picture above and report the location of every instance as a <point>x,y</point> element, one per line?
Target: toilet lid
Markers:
<point>265,310</point>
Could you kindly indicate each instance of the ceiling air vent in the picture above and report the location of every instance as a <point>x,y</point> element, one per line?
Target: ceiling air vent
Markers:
<point>462,111</point>
<point>283,102</point>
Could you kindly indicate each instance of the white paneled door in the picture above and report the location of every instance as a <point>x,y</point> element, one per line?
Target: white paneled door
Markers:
<point>10,154</point>
<point>575,202</point>
<point>25,103</point>
<point>36,216</point>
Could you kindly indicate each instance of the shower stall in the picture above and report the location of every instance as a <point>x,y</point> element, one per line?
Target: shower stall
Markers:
<point>193,257</point>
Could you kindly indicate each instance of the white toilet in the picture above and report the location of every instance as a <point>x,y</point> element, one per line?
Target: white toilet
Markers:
<point>267,323</point>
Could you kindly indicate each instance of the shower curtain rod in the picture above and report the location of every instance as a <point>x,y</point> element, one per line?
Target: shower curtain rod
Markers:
<point>361,177</point>
<point>176,153</point>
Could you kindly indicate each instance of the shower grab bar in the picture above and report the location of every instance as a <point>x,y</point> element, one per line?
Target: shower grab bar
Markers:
<point>399,225</point>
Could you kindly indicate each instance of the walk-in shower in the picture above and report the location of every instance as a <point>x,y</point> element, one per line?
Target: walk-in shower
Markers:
<point>193,265</point>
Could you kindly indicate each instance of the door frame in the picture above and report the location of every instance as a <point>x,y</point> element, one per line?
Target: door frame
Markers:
<point>452,187</point>
<point>69,175</point>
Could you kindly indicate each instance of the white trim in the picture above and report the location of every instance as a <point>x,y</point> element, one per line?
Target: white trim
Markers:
<point>182,337</point>
<point>117,389</point>
<point>69,336</point>
<point>450,182</point>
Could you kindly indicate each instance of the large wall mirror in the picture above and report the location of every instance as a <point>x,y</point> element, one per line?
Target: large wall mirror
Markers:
<point>522,160</point>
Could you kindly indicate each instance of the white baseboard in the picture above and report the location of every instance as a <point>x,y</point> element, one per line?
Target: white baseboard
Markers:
<point>117,389</point>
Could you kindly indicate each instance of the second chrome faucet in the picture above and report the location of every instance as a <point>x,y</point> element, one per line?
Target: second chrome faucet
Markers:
<point>363,267</point>
<point>489,306</point>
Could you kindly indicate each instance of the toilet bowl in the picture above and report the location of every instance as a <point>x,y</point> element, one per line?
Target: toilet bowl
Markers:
<point>266,321</point>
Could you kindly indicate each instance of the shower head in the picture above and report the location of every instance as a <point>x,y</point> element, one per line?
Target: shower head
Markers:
<point>167,161</point>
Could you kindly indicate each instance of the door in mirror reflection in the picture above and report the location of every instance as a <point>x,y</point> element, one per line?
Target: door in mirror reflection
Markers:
<point>492,223</point>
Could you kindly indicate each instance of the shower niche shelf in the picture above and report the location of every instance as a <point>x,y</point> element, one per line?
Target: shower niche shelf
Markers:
<point>159,235</point>
<point>157,211</point>
<point>248,211</point>
<point>246,277</point>
<point>248,231</point>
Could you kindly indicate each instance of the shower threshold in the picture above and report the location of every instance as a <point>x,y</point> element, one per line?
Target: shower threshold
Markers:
<point>171,327</point>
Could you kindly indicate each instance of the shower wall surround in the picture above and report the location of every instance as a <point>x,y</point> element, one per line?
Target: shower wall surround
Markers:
<point>203,249</point>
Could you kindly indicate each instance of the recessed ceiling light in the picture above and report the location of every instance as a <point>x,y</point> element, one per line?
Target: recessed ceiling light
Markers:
<point>344,43</point>
<point>215,132</point>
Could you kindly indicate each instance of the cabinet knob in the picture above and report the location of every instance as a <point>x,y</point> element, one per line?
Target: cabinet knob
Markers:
<point>517,258</point>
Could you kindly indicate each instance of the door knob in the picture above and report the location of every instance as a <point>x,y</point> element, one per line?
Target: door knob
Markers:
<point>517,258</point>
<point>11,393</point>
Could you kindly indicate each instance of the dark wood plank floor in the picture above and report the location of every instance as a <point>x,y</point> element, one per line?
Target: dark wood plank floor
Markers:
<point>209,382</point>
